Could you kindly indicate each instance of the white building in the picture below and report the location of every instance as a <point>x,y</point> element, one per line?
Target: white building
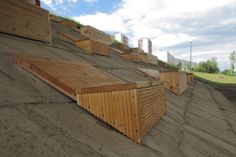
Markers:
<point>169,58</point>
<point>145,44</point>
<point>121,38</point>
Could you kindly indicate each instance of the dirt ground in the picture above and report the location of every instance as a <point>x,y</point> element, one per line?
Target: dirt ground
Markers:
<point>229,92</point>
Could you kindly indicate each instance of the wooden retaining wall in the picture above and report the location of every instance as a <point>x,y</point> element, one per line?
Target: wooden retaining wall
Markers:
<point>133,112</point>
<point>25,20</point>
<point>190,79</point>
<point>152,106</point>
<point>174,81</point>
<point>92,46</point>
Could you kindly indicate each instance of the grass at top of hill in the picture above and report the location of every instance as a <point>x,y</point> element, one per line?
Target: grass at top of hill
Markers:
<point>218,79</point>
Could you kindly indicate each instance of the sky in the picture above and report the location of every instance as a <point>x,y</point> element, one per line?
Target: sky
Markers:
<point>170,24</point>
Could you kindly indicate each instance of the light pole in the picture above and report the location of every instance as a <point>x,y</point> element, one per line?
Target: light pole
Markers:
<point>190,64</point>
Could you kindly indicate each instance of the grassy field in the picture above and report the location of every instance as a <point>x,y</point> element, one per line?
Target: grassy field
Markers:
<point>216,78</point>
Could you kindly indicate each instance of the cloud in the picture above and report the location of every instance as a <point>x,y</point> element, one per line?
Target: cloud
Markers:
<point>110,23</point>
<point>171,24</point>
<point>90,1</point>
<point>47,2</point>
<point>60,7</point>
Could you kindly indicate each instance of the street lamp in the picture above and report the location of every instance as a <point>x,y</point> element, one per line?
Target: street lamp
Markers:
<point>190,64</point>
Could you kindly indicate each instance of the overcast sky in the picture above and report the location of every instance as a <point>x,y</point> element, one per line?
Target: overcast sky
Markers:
<point>171,24</point>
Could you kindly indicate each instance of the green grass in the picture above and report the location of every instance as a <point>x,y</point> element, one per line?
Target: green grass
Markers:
<point>218,79</point>
<point>78,25</point>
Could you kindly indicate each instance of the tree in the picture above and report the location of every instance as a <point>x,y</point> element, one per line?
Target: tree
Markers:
<point>226,72</point>
<point>209,66</point>
<point>232,58</point>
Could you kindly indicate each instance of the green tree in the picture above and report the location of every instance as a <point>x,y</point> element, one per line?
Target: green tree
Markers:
<point>209,66</point>
<point>226,72</point>
<point>232,58</point>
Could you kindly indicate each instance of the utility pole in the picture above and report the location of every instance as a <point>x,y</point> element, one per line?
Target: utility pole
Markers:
<point>190,64</point>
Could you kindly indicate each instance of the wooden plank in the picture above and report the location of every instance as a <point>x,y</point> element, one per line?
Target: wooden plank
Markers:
<point>119,109</point>
<point>152,105</point>
<point>174,81</point>
<point>107,88</point>
<point>56,18</point>
<point>69,38</point>
<point>76,75</point>
<point>69,24</point>
<point>53,81</point>
<point>96,35</point>
<point>119,51</point>
<point>95,47</point>
<point>25,20</point>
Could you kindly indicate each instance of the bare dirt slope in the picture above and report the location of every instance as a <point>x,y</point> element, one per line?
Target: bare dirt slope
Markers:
<point>36,120</point>
<point>229,92</point>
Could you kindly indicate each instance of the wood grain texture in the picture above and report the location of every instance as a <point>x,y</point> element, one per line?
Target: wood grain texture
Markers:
<point>182,82</point>
<point>131,57</point>
<point>152,106</point>
<point>69,38</point>
<point>78,76</point>
<point>117,108</point>
<point>95,47</point>
<point>174,81</point>
<point>56,19</point>
<point>25,20</point>
<point>96,35</point>
<point>69,24</point>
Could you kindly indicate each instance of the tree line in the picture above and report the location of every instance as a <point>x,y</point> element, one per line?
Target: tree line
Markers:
<point>211,66</point>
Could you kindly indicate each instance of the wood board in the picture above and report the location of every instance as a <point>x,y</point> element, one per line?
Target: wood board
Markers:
<point>67,76</point>
<point>174,81</point>
<point>25,20</point>
<point>152,106</point>
<point>93,47</point>
<point>56,19</point>
<point>133,112</point>
<point>68,37</point>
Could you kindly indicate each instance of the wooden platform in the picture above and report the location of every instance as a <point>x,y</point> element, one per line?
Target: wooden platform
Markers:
<point>130,107</point>
<point>25,20</point>
<point>92,46</point>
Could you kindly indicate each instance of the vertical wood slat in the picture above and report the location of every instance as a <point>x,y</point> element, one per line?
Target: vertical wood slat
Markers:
<point>119,109</point>
<point>133,112</point>
<point>153,109</point>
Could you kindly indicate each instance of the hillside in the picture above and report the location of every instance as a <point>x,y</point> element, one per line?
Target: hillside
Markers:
<point>38,120</point>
